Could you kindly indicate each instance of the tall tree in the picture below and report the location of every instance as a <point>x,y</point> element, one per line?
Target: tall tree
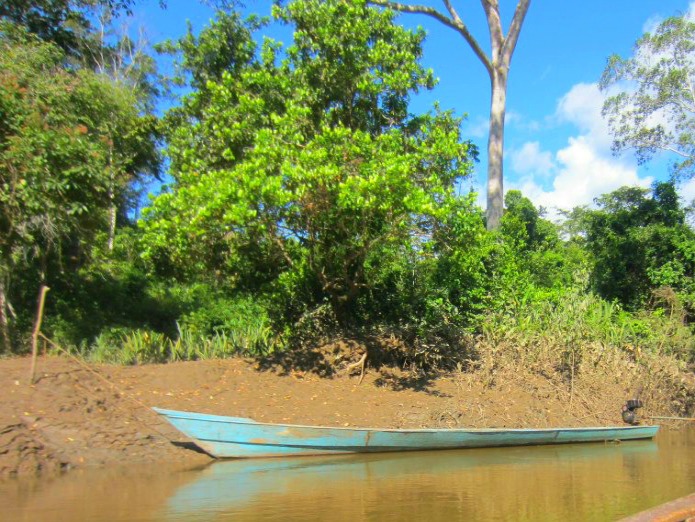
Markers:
<point>66,136</point>
<point>497,66</point>
<point>62,22</point>
<point>640,242</point>
<point>85,31</point>
<point>655,108</point>
<point>113,54</point>
<point>298,176</point>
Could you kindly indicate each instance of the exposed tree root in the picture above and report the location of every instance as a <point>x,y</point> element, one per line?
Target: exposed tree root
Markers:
<point>361,363</point>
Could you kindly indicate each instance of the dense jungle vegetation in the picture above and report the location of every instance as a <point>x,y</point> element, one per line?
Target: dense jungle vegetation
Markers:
<point>303,202</point>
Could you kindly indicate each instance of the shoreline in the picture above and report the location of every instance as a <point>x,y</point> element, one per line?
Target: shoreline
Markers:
<point>70,418</point>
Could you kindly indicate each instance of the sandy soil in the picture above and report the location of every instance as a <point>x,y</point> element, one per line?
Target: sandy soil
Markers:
<point>76,417</point>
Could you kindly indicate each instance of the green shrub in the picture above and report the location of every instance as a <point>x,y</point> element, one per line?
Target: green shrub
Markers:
<point>254,341</point>
<point>124,346</point>
<point>572,321</point>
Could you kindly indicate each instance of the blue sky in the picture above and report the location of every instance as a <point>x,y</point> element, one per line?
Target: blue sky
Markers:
<point>557,148</point>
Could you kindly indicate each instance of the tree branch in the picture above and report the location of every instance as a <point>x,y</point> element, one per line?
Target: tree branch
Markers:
<point>272,234</point>
<point>674,151</point>
<point>492,13</point>
<point>454,22</point>
<point>463,30</point>
<point>514,30</point>
<point>637,145</point>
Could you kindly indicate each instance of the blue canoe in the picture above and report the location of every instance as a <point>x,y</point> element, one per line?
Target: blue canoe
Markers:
<point>235,437</point>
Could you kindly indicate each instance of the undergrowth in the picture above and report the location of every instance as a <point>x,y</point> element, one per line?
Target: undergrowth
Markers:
<point>580,338</point>
<point>122,346</point>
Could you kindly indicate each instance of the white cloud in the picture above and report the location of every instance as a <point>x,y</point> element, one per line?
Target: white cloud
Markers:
<point>581,106</point>
<point>652,23</point>
<point>583,176</point>
<point>530,159</point>
<point>481,126</point>
<point>515,119</point>
<point>585,168</point>
<point>588,172</point>
<point>687,191</point>
<point>511,117</point>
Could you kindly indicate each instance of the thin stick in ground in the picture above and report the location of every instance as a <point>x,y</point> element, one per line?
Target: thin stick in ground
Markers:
<point>37,330</point>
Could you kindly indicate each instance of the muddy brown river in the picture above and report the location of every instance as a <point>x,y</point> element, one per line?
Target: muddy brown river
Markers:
<point>589,482</point>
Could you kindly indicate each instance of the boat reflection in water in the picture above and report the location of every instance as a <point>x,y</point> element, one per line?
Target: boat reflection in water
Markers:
<point>571,482</point>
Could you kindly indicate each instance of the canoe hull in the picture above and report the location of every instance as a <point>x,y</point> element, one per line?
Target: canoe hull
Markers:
<point>235,437</point>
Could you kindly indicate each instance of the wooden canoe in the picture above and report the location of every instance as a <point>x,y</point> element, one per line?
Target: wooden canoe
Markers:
<point>236,437</point>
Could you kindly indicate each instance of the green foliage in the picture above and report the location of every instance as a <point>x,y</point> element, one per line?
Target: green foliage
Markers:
<point>306,203</point>
<point>655,112</point>
<point>137,346</point>
<point>572,322</point>
<point>355,175</point>
<point>249,339</point>
<point>65,23</point>
<point>225,47</point>
<point>531,257</point>
<point>124,346</point>
<point>364,64</point>
<point>70,142</point>
<point>113,290</point>
<point>243,320</point>
<point>52,158</point>
<point>639,243</point>
<point>522,224</point>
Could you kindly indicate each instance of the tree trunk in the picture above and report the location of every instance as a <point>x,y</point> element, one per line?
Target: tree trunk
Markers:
<point>495,148</point>
<point>112,224</point>
<point>112,204</point>
<point>4,321</point>
<point>497,66</point>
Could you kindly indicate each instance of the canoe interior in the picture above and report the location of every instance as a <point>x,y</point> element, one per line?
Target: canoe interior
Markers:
<point>237,437</point>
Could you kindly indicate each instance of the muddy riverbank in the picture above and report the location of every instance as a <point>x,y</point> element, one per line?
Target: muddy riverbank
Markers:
<point>73,417</point>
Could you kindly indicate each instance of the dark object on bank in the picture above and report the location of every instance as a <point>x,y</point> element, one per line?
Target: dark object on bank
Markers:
<point>630,411</point>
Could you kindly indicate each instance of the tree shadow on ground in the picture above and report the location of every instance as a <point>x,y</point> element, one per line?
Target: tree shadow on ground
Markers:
<point>325,360</point>
<point>419,382</point>
<point>334,358</point>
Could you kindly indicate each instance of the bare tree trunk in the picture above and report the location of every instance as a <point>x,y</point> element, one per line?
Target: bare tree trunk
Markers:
<point>112,223</point>
<point>4,321</point>
<point>112,204</point>
<point>497,66</point>
<point>495,149</point>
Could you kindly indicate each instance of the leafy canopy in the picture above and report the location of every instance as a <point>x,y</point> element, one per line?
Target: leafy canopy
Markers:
<point>65,23</point>
<point>298,174</point>
<point>640,242</point>
<point>69,142</point>
<point>654,110</point>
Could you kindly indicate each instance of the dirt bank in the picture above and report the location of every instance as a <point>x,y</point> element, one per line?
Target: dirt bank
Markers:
<point>72,417</point>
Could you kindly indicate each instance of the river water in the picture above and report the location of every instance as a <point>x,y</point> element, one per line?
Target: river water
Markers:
<point>589,482</point>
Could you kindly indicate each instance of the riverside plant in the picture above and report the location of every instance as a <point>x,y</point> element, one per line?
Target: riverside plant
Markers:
<point>578,327</point>
<point>145,346</point>
<point>582,346</point>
